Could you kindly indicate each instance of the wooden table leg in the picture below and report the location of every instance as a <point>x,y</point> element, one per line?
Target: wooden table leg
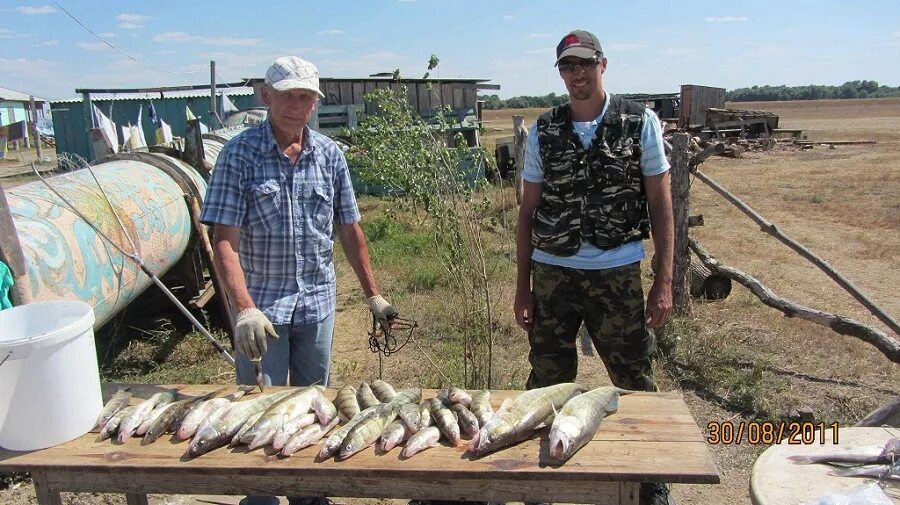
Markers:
<point>629,493</point>
<point>45,494</point>
<point>136,499</point>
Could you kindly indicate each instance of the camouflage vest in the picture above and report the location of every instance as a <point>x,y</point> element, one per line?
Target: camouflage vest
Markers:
<point>594,196</point>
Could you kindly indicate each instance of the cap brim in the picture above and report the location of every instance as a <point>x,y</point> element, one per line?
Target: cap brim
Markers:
<point>585,53</point>
<point>287,84</point>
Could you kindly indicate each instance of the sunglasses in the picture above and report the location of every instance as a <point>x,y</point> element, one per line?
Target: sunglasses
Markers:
<point>571,68</point>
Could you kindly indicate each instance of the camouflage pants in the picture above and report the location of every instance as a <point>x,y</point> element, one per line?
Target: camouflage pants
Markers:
<point>611,304</point>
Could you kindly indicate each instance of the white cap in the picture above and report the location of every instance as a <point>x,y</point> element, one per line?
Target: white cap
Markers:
<point>291,72</point>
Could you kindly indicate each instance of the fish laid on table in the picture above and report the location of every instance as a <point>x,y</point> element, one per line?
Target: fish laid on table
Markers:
<point>366,397</point>
<point>481,406</point>
<point>207,410</point>
<point>411,415</point>
<point>307,437</point>
<point>880,472</point>
<point>112,425</point>
<point>445,420</point>
<point>139,413</point>
<point>263,431</point>
<point>862,455</point>
<point>119,401</point>
<point>346,403</point>
<point>290,427</point>
<point>454,394</point>
<point>223,429</point>
<point>366,432</point>
<point>383,391</point>
<point>236,439</point>
<point>324,409</point>
<point>421,440</point>
<point>468,423</point>
<point>578,420</point>
<point>404,396</point>
<point>172,416</point>
<point>521,416</point>
<point>332,444</point>
<point>394,434</point>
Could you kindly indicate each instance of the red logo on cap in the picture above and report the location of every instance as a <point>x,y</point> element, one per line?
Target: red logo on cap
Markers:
<point>570,40</point>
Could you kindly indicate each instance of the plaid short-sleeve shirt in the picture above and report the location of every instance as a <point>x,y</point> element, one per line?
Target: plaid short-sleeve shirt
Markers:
<point>286,214</point>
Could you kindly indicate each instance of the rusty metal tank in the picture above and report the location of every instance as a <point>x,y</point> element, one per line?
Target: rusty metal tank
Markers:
<point>66,259</point>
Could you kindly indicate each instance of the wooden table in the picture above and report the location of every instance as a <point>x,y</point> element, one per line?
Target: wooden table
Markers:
<point>775,480</point>
<point>652,438</point>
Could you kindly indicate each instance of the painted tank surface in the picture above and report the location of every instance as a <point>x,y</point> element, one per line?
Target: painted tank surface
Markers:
<point>66,259</point>
<point>213,142</point>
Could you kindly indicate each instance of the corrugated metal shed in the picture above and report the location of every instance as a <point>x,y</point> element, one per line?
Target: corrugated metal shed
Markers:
<point>70,118</point>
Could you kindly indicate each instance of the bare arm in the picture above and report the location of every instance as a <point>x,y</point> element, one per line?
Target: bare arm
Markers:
<point>662,230</point>
<point>353,242</point>
<point>524,303</point>
<point>225,242</point>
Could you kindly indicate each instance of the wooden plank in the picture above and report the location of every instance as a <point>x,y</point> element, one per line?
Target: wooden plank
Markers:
<point>136,499</point>
<point>447,95</point>
<point>346,93</point>
<point>45,492</point>
<point>459,102</point>
<point>368,87</point>
<point>469,97</point>
<point>412,96</point>
<point>424,95</point>
<point>358,92</point>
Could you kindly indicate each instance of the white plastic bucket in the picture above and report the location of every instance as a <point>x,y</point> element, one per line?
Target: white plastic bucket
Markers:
<point>49,380</point>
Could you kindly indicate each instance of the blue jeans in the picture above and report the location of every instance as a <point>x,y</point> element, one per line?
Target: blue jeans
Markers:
<point>304,350</point>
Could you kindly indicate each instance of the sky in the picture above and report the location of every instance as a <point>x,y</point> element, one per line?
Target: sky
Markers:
<point>651,46</point>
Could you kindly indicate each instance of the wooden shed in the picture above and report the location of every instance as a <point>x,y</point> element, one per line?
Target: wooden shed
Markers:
<point>696,102</point>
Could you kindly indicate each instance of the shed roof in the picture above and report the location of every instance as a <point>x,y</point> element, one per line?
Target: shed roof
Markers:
<point>12,95</point>
<point>158,95</point>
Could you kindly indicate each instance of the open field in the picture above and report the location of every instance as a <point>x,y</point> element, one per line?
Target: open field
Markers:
<point>734,360</point>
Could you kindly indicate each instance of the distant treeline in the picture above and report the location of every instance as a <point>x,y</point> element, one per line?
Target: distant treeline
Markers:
<point>850,89</point>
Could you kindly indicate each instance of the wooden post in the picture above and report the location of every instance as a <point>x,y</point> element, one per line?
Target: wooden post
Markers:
<point>681,187</point>
<point>521,134</point>
<point>213,113</point>
<point>37,136</point>
<point>88,111</point>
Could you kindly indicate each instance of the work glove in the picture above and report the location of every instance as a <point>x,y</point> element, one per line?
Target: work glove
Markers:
<point>250,332</point>
<point>381,309</point>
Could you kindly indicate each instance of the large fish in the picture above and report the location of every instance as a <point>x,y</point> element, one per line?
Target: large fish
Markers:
<point>862,455</point>
<point>481,406</point>
<point>578,420</point>
<point>366,432</point>
<point>521,416</point>
<point>445,419</point>
<point>421,440</point>
<point>223,429</point>
<point>383,391</point>
<point>332,444</point>
<point>404,396</point>
<point>264,430</point>
<point>468,423</point>
<point>119,401</point>
<point>207,410</point>
<point>172,416</point>
<point>411,415</point>
<point>346,402</point>
<point>366,397</point>
<point>139,413</point>
<point>394,434</point>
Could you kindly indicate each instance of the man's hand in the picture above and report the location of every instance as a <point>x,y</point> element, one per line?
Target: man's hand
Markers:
<point>250,332</point>
<point>524,309</point>
<point>381,309</point>
<point>659,303</point>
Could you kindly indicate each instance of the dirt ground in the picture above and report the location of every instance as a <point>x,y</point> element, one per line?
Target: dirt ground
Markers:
<point>842,203</point>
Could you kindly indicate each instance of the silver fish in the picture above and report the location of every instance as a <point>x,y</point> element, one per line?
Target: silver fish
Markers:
<point>445,420</point>
<point>578,420</point>
<point>263,431</point>
<point>481,406</point>
<point>205,409</point>
<point>119,401</point>
<point>307,437</point>
<point>468,423</point>
<point>324,409</point>
<point>172,416</point>
<point>421,440</point>
<point>861,455</point>
<point>366,397</point>
<point>346,403</point>
<point>112,425</point>
<point>880,472</point>
<point>383,391</point>
<point>394,434</point>
<point>521,417</point>
<point>290,427</point>
<point>453,394</point>
<point>139,413</point>
<point>222,430</point>
<point>366,432</point>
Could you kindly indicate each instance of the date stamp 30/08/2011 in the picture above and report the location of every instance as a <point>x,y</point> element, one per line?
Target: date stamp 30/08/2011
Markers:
<point>771,432</point>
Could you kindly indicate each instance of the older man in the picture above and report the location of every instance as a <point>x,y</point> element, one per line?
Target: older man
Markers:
<point>274,197</point>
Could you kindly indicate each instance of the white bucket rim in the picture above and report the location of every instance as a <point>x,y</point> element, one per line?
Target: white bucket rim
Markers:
<point>71,330</point>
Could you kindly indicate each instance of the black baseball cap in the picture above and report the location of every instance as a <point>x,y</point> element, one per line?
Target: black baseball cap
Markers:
<point>580,44</point>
